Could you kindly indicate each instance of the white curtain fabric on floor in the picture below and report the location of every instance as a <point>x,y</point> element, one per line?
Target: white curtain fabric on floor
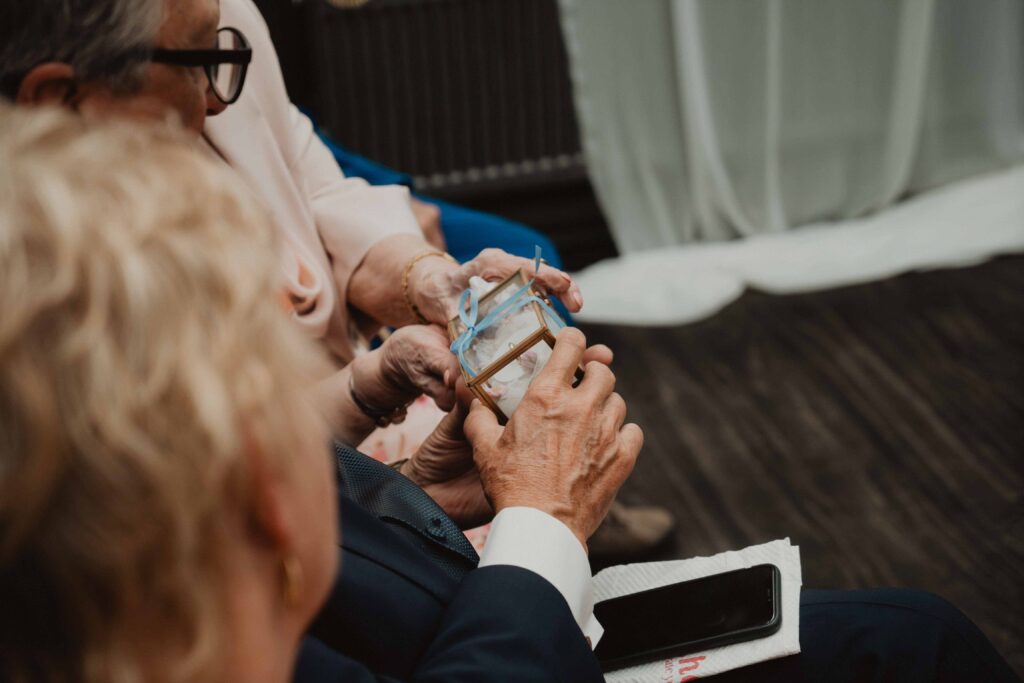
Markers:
<point>960,224</point>
<point>706,120</point>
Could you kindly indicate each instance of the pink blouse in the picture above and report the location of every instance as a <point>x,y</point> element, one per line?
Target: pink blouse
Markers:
<point>327,221</point>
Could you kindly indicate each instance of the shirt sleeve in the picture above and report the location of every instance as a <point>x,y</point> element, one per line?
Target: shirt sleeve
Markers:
<point>533,540</point>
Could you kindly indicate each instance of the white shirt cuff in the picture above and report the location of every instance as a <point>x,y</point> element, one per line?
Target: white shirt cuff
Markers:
<point>536,541</point>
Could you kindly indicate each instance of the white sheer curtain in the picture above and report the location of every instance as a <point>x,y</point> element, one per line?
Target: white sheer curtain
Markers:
<point>705,120</point>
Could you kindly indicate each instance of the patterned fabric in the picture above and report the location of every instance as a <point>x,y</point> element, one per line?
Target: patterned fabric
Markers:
<point>405,507</point>
<point>399,441</point>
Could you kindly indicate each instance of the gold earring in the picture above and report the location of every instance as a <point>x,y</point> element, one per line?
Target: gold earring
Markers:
<point>292,580</point>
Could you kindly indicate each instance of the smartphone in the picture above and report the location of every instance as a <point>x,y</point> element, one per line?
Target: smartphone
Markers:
<point>688,617</point>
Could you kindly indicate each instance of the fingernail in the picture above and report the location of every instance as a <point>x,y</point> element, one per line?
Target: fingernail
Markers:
<point>578,299</point>
<point>447,376</point>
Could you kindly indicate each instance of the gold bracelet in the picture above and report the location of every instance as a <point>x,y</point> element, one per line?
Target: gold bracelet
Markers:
<point>405,281</point>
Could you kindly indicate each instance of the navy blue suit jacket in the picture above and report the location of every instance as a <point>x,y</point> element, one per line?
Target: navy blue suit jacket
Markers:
<point>410,605</point>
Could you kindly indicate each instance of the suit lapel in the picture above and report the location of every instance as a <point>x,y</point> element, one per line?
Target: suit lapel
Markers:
<point>393,499</point>
<point>364,534</point>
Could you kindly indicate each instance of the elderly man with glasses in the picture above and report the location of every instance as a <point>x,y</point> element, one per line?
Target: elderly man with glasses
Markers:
<point>133,57</point>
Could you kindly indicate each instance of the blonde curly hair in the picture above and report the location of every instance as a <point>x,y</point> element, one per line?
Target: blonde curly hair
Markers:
<point>140,344</point>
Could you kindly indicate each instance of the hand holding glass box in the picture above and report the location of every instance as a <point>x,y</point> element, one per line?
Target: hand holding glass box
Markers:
<point>503,337</point>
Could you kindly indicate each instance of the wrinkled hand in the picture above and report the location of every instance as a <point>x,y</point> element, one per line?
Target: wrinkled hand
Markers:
<point>444,464</point>
<point>437,290</point>
<point>414,360</point>
<point>565,451</point>
<point>429,218</point>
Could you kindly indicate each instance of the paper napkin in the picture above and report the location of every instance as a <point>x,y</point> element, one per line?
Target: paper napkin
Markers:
<point>631,578</point>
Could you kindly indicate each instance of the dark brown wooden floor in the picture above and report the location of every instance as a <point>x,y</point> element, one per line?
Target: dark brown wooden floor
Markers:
<point>881,427</point>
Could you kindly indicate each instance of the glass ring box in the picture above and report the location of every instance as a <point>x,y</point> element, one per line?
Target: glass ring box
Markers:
<point>514,330</point>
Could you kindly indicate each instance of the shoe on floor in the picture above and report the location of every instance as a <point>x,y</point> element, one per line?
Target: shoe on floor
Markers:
<point>629,532</point>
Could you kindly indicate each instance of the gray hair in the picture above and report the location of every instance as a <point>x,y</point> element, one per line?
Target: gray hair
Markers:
<point>103,40</point>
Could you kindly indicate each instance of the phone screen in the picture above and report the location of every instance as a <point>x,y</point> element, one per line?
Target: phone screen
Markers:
<point>710,608</point>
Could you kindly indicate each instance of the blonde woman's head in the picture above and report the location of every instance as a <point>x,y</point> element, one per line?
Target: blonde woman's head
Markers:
<point>161,473</point>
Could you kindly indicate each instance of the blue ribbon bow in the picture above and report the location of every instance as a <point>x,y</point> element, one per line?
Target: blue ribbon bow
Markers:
<point>519,299</point>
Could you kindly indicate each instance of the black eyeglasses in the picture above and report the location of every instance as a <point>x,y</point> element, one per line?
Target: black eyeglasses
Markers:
<point>225,65</point>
